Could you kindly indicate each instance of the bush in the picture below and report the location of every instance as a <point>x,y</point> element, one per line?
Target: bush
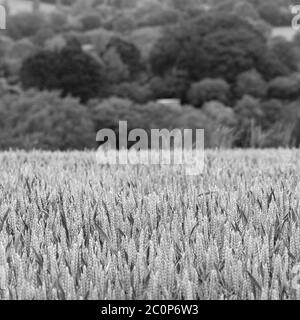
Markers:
<point>56,43</point>
<point>248,108</point>
<point>285,51</point>
<point>58,21</point>
<point>123,23</point>
<point>41,37</point>
<point>90,21</point>
<point>173,85</point>
<point>23,25</point>
<point>273,111</point>
<point>129,54</point>
<point>207,90</point>
<point>6,45</point>
<point>70,70</point>
<point>220,113</point>
<point>115,69</point>
<point>246,10</point>
<point>161,18</point>
<point>22,49</point>
<point>284,88</point>
<point>43,120</point>
<point>250,83</point>
<point>214,45</point>
<point>134,91</point>
<point>99,38</point>
<point>272,14</point>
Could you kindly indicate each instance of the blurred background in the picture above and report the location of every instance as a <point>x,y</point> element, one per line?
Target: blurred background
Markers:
<point>69,68</point>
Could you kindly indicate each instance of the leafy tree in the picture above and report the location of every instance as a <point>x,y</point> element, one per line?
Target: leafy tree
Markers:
<point>220,113</point>
<point>249,114</point>
<point>286,53</point>
<point>293,113</point>
<point>184,5</point>
<point>273,111</point>
<point>43,120</point>
<point>145,39</point>
<point>56,43</point>
<point>250,83</point>
<point>246,10</point>
<point>284,88</point>
<point>100,39</point>
<point>22,49</point>
<point>248,108</point>
<point>216,46</point>
<point>173,85</point>
<point>134,91</point>
<point>160,18</point>
<point>123,23</point>
<point>208,90</point>
<point>69,70</point>
<point>115,70</point>
<point>6,45</point>
<point>129,54</point>
<point>273,14</point>
<point>42,36</point>
<point>23,25</point>
<point>109,112</point>
<point>58,21</point>
<point>90,21</point>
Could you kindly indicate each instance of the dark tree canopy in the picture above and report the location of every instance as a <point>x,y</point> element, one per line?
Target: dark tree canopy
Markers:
<point>129,54</point>
<point>217,46</point>
<point>70,70</point>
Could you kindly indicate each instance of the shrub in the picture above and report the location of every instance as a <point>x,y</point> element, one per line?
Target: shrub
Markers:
<point>249,114</point>
<point>250,83</point>
<point>173,85</point>
<point>115,69</point>
<point>274,15</point>
<point>293,120</point>
<point>248,108</point>
<point>22,49</point>
<point>284,88</point>
<point>58,21</point>
<point>273,112</point>
<point>246,10</point>
<point>207,90</point>
<point>129,54</point>
<point>134,91</point>
<point>214,45</point>
<point>6,45</point>
<point>220,113</point>
<point>43,120</point>
<point>56,43</point>
<point>41,37</point>
<point>123,23</point>
<point>23,25</point>
<point>90,21</point>
<point>286,53</point>
<point>99,38</point>
<point>161,18</point>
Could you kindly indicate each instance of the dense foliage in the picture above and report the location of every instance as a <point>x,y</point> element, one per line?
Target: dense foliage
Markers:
<point>70,70</point>
<point>208,54</point>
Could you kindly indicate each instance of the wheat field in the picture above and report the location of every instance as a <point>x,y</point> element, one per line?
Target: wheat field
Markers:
<point>72,229</point>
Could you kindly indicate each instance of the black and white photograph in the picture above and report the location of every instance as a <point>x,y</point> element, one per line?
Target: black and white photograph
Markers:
<point>149,151</point>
